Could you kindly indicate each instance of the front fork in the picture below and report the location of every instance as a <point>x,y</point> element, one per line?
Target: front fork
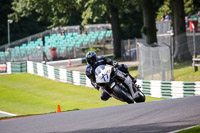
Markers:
<point>127,80</point>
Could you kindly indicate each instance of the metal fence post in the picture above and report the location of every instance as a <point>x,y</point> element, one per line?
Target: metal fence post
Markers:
<point>194,44</point>
<point>194,41</point>
<point>9,22</point>
<point>129,48</point>
<point>136,45</point>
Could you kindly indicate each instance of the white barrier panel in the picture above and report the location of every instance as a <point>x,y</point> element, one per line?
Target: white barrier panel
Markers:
<point>8,67</point>
<point>40,69</point>
<point>51,72</point>
<point>88,82</point>
<point>197,88</point>
<point>76,77</point>
<point>30,67</point>
<point>63,75</point>
<point>177,89</point>
<point>156,89</point>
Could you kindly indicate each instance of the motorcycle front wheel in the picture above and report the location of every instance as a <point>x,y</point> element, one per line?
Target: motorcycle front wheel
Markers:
<point>123,94</point>
<point>141,97</point>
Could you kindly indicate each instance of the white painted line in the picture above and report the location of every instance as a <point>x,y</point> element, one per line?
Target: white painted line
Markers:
<point>6,113</point>
<point>182,129</point>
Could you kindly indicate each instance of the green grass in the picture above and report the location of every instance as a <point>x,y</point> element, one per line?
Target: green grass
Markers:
<point>192,130</point>
<point>133,71</point>
<point>25,94</point>
<point>182,72</point>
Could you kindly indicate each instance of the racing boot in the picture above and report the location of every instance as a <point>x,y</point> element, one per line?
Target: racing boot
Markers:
<point>133,79</point>
<point>104,95</point>
<point>124,69</point>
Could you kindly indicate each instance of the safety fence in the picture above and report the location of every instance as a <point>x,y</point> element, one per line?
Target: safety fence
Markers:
<point>63,75</point>
<point>169,89</point>
<point>129,50</point>
<point>163,27</point>
<point>59,74</point>
<point>16,67</point>
<point>160,89</point>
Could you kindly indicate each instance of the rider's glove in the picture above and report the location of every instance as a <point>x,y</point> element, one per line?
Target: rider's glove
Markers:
<point>115,64</point>
<point>95,86</point>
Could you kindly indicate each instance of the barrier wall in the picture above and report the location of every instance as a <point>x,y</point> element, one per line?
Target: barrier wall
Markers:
<point>160,89</point>
<point>63,75</point>
<point>169,89</point>
<point>16,67</point>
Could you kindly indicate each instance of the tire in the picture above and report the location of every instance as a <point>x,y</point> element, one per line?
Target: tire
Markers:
<point>141,97</point>
<point>123,94</point>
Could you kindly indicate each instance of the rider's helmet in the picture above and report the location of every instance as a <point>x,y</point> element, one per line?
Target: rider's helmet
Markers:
<point>91,57</point>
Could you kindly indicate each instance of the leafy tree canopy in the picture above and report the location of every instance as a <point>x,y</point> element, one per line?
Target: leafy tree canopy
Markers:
<point>56,12</point>
<point>190,7</point>
<point>32,16</point>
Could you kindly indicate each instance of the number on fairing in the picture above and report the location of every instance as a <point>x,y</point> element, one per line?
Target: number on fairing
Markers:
<point>105,77</point>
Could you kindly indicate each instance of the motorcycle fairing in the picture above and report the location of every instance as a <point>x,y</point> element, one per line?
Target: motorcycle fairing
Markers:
<point>102,74</point>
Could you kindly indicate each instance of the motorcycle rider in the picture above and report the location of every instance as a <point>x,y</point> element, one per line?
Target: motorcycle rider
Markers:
<point>94,61</point>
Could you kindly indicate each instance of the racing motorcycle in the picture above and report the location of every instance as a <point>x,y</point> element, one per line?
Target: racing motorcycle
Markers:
<point>111,80</point>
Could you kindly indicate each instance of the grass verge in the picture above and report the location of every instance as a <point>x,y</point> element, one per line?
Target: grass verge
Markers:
<point>192,130</point>
<point>185,72</point>
<point>25,94</point>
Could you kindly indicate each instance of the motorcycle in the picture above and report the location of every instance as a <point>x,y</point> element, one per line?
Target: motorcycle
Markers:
<point>111,80</point>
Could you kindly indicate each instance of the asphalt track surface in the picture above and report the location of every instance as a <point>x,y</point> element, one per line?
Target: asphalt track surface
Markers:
<point>151,117</point>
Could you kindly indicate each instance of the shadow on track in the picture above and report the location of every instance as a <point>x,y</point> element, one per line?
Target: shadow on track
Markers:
<point>146,128</point>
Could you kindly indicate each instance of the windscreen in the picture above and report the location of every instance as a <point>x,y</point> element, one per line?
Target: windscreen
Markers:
<point>99,69</point>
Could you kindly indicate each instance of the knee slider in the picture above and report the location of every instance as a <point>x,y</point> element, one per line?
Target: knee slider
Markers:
<point>104,98</point>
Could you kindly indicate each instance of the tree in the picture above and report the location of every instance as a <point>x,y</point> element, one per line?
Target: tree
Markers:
<point>164,8</point>
<point>190,8</point>
<point>20,29</point>
<point>114,18</point>
<point>131,21</point>
<point>177,10</point>
<point>4,10</point>
<point>54,12</point>
<point>67,12</point>
<point>149,28</point>
<point>60,12</point>
<point>97,9</point>
<point>181,47</point>
<point>125,17</point>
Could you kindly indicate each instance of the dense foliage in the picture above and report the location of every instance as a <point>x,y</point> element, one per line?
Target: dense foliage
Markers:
<point>128,18</point>
<point>33,16</point>
<point>190,7</point>
<point>24,27</point>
